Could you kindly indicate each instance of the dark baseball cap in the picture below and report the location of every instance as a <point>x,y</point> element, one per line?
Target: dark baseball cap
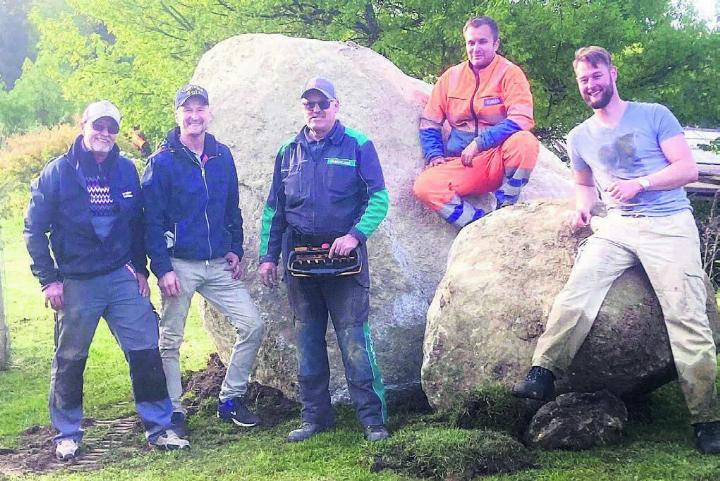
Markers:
<point>322,85</point>
<point>188,91</point>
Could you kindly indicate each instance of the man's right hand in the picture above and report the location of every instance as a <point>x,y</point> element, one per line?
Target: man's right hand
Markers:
<point>436,161</point>
<point>54,295</point>
<point>169,284</point>
<point>268,274</point>
<point>581,219</point>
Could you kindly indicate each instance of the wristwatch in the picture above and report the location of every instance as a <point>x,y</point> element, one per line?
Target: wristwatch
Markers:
<point>644,182</point>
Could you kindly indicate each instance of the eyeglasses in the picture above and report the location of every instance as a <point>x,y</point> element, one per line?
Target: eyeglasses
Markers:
<point>111,127</point>
<point>323,104</point>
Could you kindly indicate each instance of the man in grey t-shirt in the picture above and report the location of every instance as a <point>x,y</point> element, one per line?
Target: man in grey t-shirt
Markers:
<point>638,158</point>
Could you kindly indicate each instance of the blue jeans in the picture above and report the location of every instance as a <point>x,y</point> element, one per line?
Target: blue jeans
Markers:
<point>132,321</point>
<point>346,300</point>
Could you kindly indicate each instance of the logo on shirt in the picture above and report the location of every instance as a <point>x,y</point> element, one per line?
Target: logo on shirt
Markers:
<point>127,195</point>
<point>338,161</point>
<point>492,101</point>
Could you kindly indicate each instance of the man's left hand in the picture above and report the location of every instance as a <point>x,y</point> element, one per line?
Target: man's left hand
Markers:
<point>143,286</point>
<point>466,157</point>
<point>343,246</point>
<point>624,190</point>
<point>234,265</point>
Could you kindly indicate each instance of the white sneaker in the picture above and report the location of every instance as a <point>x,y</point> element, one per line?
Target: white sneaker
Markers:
<point>169,441</point>
<point>66,450</point>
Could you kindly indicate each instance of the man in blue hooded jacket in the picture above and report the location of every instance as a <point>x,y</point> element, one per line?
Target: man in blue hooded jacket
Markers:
<point>194,239</point>
<point>87,204</point>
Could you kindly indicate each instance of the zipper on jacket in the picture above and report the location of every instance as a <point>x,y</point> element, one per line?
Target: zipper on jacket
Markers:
<point>207,196</point>
<point>207,220</point>
<point>472,102</point>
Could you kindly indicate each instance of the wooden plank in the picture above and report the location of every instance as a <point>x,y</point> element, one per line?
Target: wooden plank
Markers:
<point>702,188</point>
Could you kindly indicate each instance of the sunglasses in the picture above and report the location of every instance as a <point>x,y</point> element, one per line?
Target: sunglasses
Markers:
<point>323,104</point>
<point>111,127</point>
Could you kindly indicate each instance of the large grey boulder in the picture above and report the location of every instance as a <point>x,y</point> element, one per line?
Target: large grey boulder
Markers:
<point>503,274</point>
<point>254,82</point>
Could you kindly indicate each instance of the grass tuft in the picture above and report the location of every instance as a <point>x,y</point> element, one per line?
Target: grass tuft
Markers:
<point>451,453</point>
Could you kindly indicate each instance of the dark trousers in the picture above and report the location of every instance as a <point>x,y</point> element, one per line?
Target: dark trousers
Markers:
<point>346,300</point>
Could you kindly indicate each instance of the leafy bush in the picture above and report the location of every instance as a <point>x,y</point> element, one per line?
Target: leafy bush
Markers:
<point>451,453</point>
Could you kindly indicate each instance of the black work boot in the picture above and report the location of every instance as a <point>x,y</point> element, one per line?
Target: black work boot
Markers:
<point>538,384</point>
<point>707,437</point>
<point>306,431</point>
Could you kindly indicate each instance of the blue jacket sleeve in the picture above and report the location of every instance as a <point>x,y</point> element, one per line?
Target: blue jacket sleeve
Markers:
<point>496,135</point>
<point>137,228</point>
<point>156,192</point>
<point>273,218</point>
<point>432,143</point>
<point>38,221</point>
<point>378,201</point>
<point>233,215</point>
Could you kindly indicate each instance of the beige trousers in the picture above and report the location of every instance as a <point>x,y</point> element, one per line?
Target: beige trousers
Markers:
<point>669,250</point>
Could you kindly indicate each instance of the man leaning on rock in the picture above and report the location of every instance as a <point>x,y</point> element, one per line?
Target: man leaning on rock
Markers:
<point>489,107</point>
<point>328,192</point>
<point>637,155</point>
<point>87,203</point>
<point>194,238</point>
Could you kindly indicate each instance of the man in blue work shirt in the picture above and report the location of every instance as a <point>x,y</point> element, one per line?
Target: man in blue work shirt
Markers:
<point>87,204</point>
<point>328,189</point>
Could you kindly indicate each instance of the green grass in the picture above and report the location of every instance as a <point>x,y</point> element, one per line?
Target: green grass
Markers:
<point>659,451</point>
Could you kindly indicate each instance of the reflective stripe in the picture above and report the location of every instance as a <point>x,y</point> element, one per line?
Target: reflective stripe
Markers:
<point>377,383</point>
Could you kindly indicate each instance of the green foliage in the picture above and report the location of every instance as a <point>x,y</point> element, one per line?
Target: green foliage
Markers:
<point>448,453</point>
<point>137,53</point>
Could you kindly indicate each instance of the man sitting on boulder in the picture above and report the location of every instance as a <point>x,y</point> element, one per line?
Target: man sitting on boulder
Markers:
<point>637,156</point>
<point>328,193</point>
<point>489,107</point>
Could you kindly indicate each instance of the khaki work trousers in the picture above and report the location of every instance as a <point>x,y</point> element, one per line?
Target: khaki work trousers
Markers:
<point>231,298</point>
<point>669,251</point>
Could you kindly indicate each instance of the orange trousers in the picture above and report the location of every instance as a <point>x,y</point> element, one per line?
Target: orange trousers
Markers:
<point>503,171</point>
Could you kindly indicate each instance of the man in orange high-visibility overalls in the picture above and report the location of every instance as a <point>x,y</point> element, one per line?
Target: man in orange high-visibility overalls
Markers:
<point>488,104</point>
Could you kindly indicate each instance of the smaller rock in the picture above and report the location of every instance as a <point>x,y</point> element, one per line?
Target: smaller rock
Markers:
<point>578,421</point>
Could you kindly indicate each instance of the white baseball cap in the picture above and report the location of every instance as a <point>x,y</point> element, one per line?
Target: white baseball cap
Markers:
<point>102,108</point>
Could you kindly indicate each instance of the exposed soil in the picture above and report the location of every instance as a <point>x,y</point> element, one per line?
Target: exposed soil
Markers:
<point>105,441</point>
<point>108,441</point>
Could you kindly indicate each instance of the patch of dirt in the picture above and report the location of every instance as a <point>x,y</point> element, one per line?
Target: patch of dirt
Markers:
<point>104,442</point>
<point>109,441</point>
<point>269,403</point>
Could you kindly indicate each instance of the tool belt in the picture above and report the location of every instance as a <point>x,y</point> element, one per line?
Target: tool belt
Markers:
<point>310,259</point>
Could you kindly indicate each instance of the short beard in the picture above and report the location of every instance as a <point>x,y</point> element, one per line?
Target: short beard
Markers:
<point>603,101</point>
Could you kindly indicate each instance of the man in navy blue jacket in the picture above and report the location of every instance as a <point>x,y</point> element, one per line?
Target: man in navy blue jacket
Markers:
<point>328,188</point>
<point>194,239</point>
<point>89,203</point>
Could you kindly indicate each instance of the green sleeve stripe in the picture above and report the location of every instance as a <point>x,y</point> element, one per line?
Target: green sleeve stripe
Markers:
<point>266,223</point>
<point>375,213</point>
<point>358,136</point>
